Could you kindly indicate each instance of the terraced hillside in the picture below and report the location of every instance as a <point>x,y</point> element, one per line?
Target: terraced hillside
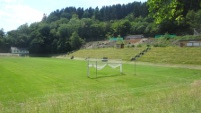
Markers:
<point>175,55</point>
<point>112,53</point>
<point>171,55</point>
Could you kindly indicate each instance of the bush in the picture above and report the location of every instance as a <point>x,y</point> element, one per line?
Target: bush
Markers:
<point>160,45</point>
<point>139,45</point>
<point>132,45</point>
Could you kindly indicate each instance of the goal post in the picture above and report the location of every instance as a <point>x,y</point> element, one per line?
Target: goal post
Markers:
<point>99,64</point>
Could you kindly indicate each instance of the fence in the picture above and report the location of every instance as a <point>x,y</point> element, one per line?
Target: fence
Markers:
<point>8,54</point>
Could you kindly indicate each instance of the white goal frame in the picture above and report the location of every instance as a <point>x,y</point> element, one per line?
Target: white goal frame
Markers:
<point>99,64</point>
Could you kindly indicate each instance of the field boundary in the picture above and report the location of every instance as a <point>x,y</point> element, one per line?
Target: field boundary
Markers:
<point>187,66</point>
<point>8,54</point>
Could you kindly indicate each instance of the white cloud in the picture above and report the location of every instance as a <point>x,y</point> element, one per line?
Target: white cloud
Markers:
<point>14,13</point>
<point>23,13</point>
<point>9,1</point>
<point>4,2</point>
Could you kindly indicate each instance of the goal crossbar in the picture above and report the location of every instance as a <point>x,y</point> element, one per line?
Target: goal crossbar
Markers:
<point>99,64</point>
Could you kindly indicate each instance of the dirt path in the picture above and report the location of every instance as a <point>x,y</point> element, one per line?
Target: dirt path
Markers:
<point>187,66</point>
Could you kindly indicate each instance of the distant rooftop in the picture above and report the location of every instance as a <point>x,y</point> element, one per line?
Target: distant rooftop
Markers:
<point>134,37</point>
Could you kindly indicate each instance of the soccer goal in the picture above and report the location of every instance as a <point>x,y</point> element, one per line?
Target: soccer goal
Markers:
<point>99,64</point>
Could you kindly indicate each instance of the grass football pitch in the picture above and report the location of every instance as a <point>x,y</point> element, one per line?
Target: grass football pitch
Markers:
<point>50,85</point>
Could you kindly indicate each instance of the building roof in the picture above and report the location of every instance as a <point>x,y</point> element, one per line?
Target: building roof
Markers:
<point>134,37</point>
<point>18,49</point>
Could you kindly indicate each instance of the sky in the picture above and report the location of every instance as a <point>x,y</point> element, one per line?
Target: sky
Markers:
<point>14,13</point>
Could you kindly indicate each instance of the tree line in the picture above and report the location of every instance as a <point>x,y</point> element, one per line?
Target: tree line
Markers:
<point>67,29</point>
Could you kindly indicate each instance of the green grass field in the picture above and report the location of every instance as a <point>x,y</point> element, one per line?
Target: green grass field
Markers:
<point>50,85</point>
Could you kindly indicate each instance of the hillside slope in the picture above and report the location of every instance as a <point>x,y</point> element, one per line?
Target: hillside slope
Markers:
<point>174,55</point>
<point>112,53</point>
<point>170,55</point>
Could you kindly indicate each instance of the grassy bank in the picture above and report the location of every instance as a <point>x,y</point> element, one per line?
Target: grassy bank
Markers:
<point>173,55</point>
<point>112,53</point>
<point>170,55</point>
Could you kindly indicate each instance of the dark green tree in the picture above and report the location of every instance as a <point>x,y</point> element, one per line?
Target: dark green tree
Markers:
<point>121,28</point>
<point>2,33</point>
<point>75,41</point>
<point>163,10</point>
<point>194,19</point>
<point>97,14</point>
<point>2,40</point>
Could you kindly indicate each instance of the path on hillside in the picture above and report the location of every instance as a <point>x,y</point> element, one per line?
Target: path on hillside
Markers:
<point>188,66</point>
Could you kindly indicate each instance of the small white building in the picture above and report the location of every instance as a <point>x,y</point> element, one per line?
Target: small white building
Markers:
<point>131,37</point>
<point>20,51</point>
<point>190,43</point>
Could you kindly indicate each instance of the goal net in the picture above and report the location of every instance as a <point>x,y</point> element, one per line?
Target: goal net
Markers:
<point>99,64</point>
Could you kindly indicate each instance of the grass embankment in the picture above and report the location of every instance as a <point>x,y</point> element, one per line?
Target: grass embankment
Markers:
<point>112,53</point>
<point>173,55</point>
<point>170,55</point>
<point>60,85</point>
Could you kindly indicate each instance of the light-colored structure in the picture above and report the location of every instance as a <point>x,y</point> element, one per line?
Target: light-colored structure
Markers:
<point>190,43</point>
<point>131,37</point>
<point>20,51</point>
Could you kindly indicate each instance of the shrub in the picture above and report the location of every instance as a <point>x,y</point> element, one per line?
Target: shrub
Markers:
<point>139,45</point>
<point>132,45</point>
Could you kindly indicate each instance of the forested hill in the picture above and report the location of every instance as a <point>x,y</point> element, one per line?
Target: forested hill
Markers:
<point>106,13</point>
<point>67,29</point>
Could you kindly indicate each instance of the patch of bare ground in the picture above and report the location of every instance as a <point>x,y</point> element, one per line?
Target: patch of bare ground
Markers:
<point>196,83</point>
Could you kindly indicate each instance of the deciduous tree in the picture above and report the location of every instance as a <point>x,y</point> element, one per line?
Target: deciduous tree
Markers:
<point>162,10</point>
<point>75,41</point>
